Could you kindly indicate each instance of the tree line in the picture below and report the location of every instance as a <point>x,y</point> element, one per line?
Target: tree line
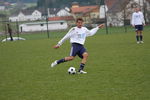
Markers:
<point>24,1</point>
<point>64,3</point>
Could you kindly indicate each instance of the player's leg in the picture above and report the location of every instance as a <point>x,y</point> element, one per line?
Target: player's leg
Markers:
<point>83,55</point>
<point>137,33</point>
<point>69,58</point>
<point>73,52</point>
<point>141,35</point>
<point>138,37</point>
<point>83,62</point>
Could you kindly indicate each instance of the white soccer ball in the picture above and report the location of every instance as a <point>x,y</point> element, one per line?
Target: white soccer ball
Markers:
<point>72,70</point>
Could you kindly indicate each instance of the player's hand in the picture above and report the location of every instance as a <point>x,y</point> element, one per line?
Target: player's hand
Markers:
<point>56,46</point>
<point>101,26</point>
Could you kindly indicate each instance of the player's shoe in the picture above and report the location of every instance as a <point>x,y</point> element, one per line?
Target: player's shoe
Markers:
<point>82,72</point>
<point>138,42</point>
<point>141,42</point>
<point>54,63</point>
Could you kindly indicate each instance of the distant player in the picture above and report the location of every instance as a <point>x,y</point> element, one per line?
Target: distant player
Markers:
<point>138,22</point>
<point>10,32</point>
<point>77,36</point>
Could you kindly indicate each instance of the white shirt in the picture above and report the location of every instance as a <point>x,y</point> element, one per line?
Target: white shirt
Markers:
<point>137,18</point>
<point>78,35</point>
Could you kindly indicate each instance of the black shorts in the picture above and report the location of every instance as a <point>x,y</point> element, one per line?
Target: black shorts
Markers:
<point>77,49</point>
<point>139,27</point>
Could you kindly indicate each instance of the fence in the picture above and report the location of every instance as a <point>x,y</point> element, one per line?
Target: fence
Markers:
<point>58,33</point>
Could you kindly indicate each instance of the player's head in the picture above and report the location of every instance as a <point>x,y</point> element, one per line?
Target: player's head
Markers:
<point>79,22</point>
<point>137,9</point>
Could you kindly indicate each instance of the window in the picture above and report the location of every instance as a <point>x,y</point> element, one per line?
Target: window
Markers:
<point>42,24</point>
<point>61,23</point>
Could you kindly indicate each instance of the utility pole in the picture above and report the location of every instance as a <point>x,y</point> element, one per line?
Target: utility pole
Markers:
<point>105,17</point>
<point>47,25</point>
<point>125,28</point>
<point>46,17</point>
<point>144,10</point>
<point>139,2</point>
<point>17,25</point>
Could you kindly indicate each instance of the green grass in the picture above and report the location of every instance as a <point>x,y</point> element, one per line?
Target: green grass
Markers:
<point>118,69</point>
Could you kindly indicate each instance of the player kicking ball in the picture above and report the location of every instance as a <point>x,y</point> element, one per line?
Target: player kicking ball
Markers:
<point>77,36</point>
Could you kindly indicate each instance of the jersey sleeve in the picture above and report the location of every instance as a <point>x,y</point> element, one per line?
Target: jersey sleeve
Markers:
<point>92,31</point>
<point>67,36</point>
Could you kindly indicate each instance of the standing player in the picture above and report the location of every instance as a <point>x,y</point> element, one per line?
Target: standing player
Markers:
<point>10,32</point>
<point>77,36</point>
<point>137,22</point>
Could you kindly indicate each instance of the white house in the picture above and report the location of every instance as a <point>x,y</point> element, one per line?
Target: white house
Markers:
<point>42,26</point>
<point>35,15</point>
<point>2,8</point>
<point>63,12</point>
<point>102,11</point>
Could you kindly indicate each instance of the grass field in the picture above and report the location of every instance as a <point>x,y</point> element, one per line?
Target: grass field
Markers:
<point>118,69</point>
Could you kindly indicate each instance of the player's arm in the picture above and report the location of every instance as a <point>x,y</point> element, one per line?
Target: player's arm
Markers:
<point>67,36</point>
<point>94,30</point>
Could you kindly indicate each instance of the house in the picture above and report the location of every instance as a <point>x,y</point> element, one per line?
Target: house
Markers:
<point>27,16</point>
<point>60,14</point>
<point>63,12</point>
<point>2,8</point>
<point>68,19</point>
<point>42,26</point>
<point>51,12</point>
<point>86,12</point>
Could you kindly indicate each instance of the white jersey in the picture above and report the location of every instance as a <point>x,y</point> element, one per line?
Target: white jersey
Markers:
<point>137,18</point>
<point>78,35</point>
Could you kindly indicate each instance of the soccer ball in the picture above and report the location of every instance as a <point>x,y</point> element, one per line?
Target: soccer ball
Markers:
<point>72,70</point>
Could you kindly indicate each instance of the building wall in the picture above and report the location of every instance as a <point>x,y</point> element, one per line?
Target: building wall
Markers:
<point>102,11</point>
<point>2,8</point>
<point>32,27</point>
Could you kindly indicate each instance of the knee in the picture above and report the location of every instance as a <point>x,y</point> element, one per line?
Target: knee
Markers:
<point>85,55</point>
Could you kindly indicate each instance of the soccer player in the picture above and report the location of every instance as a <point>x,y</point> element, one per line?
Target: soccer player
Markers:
<point>10,32</point>
<point>77,36</point>
<point>137,22</point>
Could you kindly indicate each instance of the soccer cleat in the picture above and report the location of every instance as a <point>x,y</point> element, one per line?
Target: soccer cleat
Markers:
<point>82,72</point>
<point>54,63</point>
<point>138,42</point>
<point>141,42</point>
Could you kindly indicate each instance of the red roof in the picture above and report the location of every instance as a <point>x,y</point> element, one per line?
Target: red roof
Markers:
<point>83,9</point>
<point>67,18</point>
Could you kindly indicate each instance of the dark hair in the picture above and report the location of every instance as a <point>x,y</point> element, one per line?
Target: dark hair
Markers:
<point>79,19</point>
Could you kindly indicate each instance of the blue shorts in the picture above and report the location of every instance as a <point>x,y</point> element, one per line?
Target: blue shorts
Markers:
<point>138,27</point>
<point>77,49</point>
